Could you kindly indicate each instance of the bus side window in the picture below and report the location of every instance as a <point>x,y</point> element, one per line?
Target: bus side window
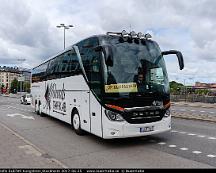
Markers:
<point>39,73</point>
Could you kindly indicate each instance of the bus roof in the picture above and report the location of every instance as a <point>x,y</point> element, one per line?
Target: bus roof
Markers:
<point>69,48</point>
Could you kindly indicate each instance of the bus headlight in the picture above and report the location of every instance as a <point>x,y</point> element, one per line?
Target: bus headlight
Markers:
<point>167,113</point>
<point>113,116</point>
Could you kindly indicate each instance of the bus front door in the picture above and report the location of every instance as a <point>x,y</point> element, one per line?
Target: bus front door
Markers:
<point>95,113</point>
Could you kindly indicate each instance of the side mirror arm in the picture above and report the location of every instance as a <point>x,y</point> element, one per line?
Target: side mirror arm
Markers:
<point>179,56</point>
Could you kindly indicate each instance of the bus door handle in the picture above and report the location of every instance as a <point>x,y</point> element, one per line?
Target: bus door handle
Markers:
<point>93,114</point>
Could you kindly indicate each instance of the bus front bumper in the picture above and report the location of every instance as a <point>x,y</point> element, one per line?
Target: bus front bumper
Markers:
<point>125,130</point>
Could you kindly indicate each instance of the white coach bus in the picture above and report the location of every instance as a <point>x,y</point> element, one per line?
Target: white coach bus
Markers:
<point>113,86</point>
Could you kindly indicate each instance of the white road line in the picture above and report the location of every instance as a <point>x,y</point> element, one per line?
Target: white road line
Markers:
<point>197,152</point>
<point>172,146</point>
<point>201,136</point>
<point>191,134</point>
<point>211,138</point>
<point>211,156</point>
<point>162,143</point>
<point>174,131</point>
<point>202,111</point>
<point>192,110</point>
<point>182,132</point>
<point>211,112</point>
<point>184,149</point>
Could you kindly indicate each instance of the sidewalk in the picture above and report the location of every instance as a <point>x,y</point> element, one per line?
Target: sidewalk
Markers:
<point>16,152</point>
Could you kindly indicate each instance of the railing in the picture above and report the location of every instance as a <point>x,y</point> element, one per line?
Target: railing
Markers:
<point>193,98</point>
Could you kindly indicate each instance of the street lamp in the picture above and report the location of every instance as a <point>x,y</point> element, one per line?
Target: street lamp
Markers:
<point>62,25</point>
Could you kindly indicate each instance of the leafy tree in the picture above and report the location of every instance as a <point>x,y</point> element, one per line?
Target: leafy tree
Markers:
<point>175,87</point>
<point>14,86</point>
<point>1,88</point>
<point>27,86</point>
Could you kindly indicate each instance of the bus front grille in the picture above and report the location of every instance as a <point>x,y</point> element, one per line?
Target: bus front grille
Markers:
<point>147,116</point>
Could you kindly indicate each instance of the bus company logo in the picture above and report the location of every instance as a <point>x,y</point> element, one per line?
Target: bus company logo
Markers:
<point>53,93</point>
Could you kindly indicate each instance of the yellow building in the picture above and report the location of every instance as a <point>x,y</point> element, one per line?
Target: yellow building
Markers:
<point>7,75</point>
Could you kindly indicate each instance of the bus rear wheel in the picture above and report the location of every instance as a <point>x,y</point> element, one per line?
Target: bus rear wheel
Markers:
<point>76,123</point>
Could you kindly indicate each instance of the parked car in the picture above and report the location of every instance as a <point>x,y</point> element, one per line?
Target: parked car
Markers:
<point>25,99</point>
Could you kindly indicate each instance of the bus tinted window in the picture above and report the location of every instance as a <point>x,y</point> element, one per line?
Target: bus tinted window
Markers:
<point>39,73</point>
<point>91,62</point>
<point>64,65</point>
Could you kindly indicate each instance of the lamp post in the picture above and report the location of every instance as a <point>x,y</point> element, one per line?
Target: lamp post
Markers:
<point>64,28</point>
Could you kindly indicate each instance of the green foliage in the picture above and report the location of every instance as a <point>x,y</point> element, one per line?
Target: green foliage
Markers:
<point>14,86</point>
<point>27,86</point>
<point>202,91</point>
<point>175,87</point>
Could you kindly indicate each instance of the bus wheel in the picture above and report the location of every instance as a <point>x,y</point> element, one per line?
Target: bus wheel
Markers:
<point>76,123</point>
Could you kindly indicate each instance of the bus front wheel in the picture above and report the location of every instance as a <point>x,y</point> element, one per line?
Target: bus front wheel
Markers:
<point>76,123</point>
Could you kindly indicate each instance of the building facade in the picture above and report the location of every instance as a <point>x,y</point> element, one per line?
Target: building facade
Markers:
<point>7,75</point>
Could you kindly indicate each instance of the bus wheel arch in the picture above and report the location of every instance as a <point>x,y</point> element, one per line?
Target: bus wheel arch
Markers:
<point>76,122</point>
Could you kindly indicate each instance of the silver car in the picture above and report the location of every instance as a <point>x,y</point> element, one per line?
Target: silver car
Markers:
<point>25,99</point>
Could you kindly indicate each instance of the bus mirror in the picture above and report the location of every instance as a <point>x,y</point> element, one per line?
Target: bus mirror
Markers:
<point>179,56</point>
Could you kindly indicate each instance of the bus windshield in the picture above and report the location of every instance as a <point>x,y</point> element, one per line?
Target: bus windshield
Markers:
<point>138,69</point>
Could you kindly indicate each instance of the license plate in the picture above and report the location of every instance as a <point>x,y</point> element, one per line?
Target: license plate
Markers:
<point>146,129</point>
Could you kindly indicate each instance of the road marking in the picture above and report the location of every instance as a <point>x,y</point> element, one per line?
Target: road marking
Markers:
<point>211,112</point>
<point>202,111</point>
<point>192,110</point>
<point>191,134</point>
<point>162,143</point>
<point>174,131</point>
<point>211,156</point>
<point>184,149</point>
<point>23,116</point>
<point>211,138</point>
<point>172,146</point>
<point>182,132</point>
<point>197,152</point>
<point>201,136</point>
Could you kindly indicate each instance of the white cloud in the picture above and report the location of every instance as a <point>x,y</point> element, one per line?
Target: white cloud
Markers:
<point>28,28</point>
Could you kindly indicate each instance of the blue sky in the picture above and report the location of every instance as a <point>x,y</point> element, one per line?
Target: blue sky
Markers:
<point>28,29</point>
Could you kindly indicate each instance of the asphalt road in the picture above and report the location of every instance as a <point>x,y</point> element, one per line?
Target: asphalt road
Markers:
<point>194,110</point>
<point>190,144</point>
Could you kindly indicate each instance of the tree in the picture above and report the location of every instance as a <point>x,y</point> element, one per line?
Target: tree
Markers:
<point>27,86</point>
<point>1,88</point>
<point>175,87</point>
<point>14,86</point>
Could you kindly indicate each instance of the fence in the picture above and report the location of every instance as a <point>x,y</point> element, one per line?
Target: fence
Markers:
<point>193,98</point>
